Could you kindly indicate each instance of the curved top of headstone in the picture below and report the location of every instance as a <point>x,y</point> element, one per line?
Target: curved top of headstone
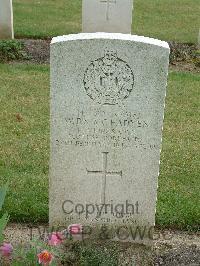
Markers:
<point>111,36</point>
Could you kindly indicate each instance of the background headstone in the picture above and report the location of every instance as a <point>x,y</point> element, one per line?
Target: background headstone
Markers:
<point>107,107</point>
<point>6,19</point>
<point>107,16</point>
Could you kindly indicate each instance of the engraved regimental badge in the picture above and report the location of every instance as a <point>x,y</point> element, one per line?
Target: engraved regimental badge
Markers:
<point>108,80</point>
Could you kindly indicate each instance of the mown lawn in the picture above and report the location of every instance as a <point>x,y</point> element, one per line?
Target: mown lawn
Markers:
<point>24,146</point>
<point>176,20</point>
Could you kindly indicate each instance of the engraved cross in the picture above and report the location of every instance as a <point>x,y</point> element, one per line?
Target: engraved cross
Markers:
<point>108,2</point>
<point>104,173</point>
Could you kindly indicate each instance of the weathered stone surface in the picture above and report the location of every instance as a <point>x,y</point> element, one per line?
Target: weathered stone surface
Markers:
<point>107,16</point>
<point>6,19</point>
<point>107,107</point>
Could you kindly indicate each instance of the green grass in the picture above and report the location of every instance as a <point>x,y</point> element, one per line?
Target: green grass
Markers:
<point>179,182</point>
<point>176,20</point>
<point>24,130</point>
<point>24,146</point>
<point>11,50</point>
<point>46,18</point>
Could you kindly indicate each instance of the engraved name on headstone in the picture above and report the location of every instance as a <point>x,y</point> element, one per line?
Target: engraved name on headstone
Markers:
<point>107,107</point>
<point>107,15</point>
<point>6,19</point>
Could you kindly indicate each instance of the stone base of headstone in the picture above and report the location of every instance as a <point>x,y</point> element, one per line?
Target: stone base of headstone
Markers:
<point>6,33</point>
<point>6,20</point>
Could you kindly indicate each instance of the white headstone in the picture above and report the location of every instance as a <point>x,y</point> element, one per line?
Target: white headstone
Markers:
<point>107,107</point>
<point>107,16</point>
<point>6,19</point>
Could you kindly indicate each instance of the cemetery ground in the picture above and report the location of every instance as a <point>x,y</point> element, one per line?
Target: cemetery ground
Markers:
<point>176,20</point>
<point>24,157</point>
<point>24,129</point>
<point>25,146</point>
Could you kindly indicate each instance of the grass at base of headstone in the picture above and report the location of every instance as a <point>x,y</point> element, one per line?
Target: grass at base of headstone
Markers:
<point>175,20</point>
<point>107,253</point>
<point>24,147</point>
